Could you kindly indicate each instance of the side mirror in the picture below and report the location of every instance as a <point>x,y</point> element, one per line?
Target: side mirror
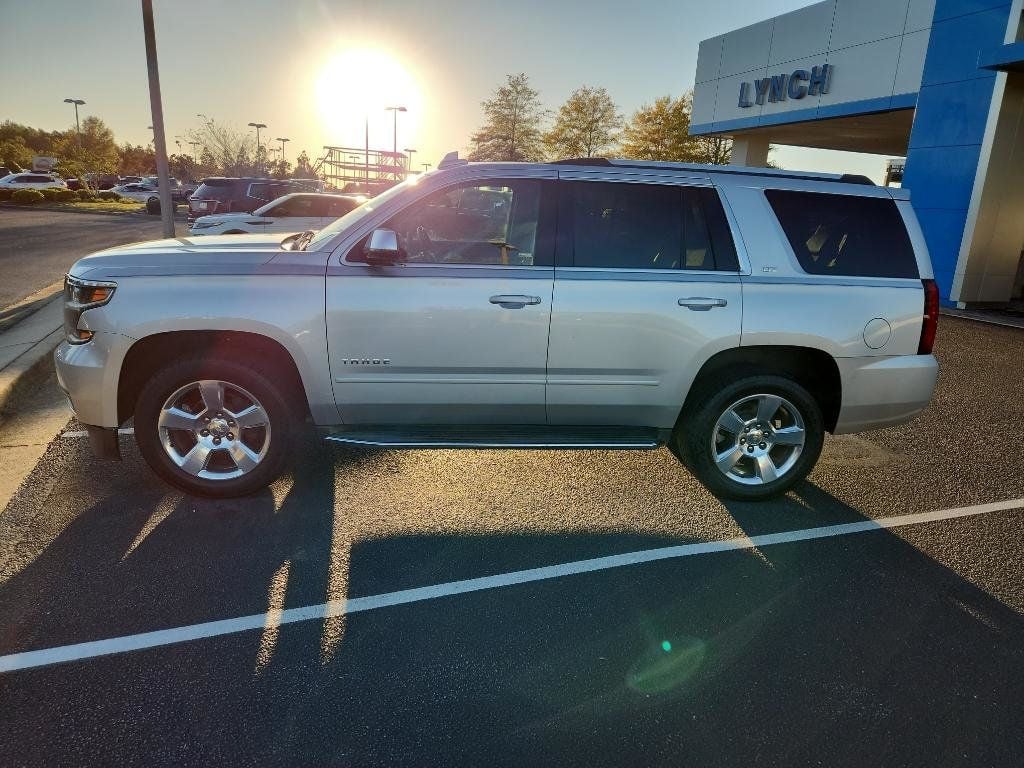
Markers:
<point>382,248</point>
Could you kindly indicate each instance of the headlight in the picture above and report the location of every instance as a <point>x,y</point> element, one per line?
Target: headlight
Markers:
<point>80,295</point>
<point>205,224</point>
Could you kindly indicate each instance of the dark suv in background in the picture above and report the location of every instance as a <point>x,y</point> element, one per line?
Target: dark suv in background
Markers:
<point>220,194</point>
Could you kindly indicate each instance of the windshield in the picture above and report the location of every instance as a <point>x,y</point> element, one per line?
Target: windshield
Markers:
<point>357,214</point>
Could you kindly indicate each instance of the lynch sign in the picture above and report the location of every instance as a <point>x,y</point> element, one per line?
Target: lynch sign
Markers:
<point>795,85</point>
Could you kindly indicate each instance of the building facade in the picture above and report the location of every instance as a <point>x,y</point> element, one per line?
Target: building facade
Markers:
<point>939,82</point>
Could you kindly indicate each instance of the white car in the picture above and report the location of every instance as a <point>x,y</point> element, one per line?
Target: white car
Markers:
<point>31,181</point>
<point>297,212</point>
<point>140,193</point>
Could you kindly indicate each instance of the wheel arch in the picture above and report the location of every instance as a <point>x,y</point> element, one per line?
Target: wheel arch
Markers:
<point>150,352</point>
<point>814,369</point>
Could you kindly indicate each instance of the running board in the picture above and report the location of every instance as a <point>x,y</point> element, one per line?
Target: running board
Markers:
<point>513,437</point>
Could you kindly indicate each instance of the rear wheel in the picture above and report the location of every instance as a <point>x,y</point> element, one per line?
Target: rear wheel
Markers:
<point>751,438</point>
<point>214,428</point>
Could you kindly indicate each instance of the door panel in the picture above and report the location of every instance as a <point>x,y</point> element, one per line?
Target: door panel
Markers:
<point>435,350</point>
<point>458,332</point>
<point>646,289</point>
<point>623,351</point>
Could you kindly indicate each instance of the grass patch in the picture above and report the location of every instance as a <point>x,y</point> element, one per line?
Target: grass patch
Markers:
<point>102,205</point>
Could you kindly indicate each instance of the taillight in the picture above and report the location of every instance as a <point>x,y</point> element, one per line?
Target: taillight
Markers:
<point>931,317</point>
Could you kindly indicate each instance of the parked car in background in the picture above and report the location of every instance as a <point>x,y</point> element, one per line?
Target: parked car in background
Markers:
<point>31,181</point>
<point>179,193</point>
<point>140,193</point>
<point>297,212</point>
<point>5,171</point>
<point>220,194</point>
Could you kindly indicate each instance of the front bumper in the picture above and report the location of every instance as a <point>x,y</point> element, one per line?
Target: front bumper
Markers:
<point>884,391</point>
<point>88,374</point>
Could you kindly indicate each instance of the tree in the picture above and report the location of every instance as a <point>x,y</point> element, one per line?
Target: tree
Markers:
<point>661,131</point>
<point>716,150</point>
<point>279,169</point>
<point>512,123</point>
<point>91,151</point>
<point>136,160</point>
<point>183,168</point>
<point>228,149</point>
<point>15,154</point>
<point>303,168</point>
<point>587,124</point>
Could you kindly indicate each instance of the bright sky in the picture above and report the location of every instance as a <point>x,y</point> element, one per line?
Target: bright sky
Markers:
<point>313,70</point>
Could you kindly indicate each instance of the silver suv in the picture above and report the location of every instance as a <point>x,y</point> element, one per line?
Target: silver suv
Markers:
<point>734,314</point>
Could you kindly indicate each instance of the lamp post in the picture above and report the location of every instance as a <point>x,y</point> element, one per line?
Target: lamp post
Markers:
<point>394,111</point>
<point>426,167</point>
<point>157,111</point>
<point>410,153</point>
<point>282,140</point>
<point>78,129</point>
<point>195,150</point>
<point>257,126</point>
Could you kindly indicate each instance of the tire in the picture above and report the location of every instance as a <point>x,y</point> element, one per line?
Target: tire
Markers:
<point>728,405</point>
<point>236,458</point>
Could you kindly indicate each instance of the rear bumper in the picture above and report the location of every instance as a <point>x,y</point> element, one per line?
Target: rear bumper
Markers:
<point>884,391</point>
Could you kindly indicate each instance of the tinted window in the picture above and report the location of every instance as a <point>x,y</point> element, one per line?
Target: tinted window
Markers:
<point>845,234</point>
<point>718,229</point>
<point>647,226</point>
<point>492,222</point>
<point>294,206</point>
<point>339,207</point>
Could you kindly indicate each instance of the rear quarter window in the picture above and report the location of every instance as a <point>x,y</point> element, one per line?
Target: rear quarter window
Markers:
<point>845,234</point>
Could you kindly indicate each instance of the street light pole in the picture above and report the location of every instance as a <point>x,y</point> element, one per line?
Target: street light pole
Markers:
<point>257,126</point>
<point>156,105</point>
<point>426,167</point>
<point>394,111</point>
<point>366,157</point>
<point>78,128</point>
<point>408,166</point>
<point>282,140</point>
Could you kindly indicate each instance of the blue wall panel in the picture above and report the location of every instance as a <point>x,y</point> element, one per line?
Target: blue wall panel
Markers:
<point>954,45</point>
<point>946,9</point>
<point>941,177</point>
<point>952,108</point>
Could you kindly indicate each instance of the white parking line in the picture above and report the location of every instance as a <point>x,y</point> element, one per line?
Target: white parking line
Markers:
<point>83,433</point>
<point>115,645</point>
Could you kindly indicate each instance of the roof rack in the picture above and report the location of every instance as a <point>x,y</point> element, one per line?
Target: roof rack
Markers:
<point>733,170</point>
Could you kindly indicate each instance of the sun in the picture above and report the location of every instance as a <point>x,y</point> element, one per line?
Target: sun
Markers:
<point>355,86</point>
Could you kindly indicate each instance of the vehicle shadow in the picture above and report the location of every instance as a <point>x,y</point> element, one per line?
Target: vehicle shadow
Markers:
<point>856,650</point>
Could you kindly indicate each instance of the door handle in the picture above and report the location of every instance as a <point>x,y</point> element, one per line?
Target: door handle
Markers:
<point>514,301</point>
<point>701,303</point>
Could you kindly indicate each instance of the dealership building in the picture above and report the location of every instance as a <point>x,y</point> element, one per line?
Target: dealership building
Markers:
<point>939,82</point>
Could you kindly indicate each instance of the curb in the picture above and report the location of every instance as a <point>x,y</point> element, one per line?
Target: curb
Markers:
<point>964,315</point>
<point>71,209</point>
<point>14,313</point>
<point>28,369</point>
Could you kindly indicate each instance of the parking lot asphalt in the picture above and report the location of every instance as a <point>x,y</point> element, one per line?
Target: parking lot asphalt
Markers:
<point>38,246</point>
<point>900,646</point>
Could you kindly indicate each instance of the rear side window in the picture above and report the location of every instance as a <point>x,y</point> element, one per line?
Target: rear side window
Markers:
<point>845,234</point>
<point>646,226</point>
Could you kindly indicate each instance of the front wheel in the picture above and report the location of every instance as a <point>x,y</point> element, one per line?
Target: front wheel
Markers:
<point>751,438</point>
<point>215,428</point>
